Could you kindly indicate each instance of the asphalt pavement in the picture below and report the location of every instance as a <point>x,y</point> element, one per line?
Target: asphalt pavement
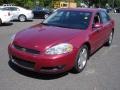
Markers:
<point>101,73</point>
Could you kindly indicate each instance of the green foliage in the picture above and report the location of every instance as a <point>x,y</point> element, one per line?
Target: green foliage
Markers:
<point>41,3</point>
<point>1,1</point>
<point>78,2</point>
<point>28,4</point>
<point>117,3</point>
<point>47,3</point>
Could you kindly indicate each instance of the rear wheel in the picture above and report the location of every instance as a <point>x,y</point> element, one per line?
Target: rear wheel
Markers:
<point>81,60</point>
<point>22,18</point>
<point>109,42</point>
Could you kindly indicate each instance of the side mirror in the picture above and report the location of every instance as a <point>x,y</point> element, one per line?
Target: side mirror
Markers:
<point>97,25</point>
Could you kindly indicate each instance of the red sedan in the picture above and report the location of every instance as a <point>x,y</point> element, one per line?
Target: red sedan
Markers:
<point>63,41</point>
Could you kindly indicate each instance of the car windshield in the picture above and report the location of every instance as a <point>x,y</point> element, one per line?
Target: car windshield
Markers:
<point>69,19</point>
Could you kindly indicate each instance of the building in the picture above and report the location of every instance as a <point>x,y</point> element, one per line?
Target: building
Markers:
<point>64,4</point>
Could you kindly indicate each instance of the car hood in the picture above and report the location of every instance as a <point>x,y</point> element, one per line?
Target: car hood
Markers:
<point>42,37</point>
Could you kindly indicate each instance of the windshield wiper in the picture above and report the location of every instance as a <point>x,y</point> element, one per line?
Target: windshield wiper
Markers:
<point>45,24</point>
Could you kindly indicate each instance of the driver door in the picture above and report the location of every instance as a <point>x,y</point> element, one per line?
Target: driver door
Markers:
<point>96,33</point>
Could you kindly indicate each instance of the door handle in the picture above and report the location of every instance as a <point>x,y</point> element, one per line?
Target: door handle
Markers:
<point>97,30</point>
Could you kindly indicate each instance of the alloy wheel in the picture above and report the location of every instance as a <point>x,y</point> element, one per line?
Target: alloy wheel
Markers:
<point>110,38</point>
<point>82,60</point>
<point>22,18</point>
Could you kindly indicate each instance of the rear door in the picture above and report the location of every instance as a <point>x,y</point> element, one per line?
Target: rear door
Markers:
<point>106,24</point>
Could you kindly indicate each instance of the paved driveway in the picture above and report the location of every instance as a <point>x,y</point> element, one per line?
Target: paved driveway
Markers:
<point>102,71</point>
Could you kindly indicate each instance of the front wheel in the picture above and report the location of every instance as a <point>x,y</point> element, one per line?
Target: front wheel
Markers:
<point>81,60</point>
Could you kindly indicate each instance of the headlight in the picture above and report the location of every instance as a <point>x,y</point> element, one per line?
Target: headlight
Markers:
<point>12,38</point>
<point>59,49</point>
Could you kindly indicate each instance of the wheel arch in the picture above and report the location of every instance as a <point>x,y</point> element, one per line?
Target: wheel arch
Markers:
<point>23,15</point>
<point>89,47</point>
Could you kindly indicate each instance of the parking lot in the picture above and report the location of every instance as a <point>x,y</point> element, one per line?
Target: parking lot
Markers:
<point>102,71</point>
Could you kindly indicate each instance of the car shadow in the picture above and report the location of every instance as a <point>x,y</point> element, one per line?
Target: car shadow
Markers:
<point>6,24</point>
<point>24,21</point>
<point>38,18</point>
<point>35,74</point>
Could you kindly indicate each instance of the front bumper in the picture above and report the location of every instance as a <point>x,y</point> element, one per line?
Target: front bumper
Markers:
<point>41,63</point>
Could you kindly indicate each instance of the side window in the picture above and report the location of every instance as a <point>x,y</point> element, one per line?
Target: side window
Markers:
<point>13,8</point>
<point>97,19</point>
<point>104,17</point>
<point>6,9</point>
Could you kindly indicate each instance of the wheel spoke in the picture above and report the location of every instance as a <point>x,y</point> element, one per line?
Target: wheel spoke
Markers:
<point>22,18</point>
<point>82,58</point>
<point>110,38</point>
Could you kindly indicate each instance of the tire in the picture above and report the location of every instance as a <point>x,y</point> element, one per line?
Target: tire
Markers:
<point>0,22</point>
<point>109,42</point>
<point>22,18</point>
<point>81,59</point>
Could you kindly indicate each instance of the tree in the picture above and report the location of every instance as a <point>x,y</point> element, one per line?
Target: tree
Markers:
<point>41,3</point>
<point>1,2</point>
<point>28,3</point>
<point>48,3</point>
<point>78,2</point>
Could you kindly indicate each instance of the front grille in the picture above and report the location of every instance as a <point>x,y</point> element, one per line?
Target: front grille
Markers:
<point>27,50</point>
<point>24,63</point>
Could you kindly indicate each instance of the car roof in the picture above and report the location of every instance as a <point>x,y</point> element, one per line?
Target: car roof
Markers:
<point>12,6</point>
<point>84,9</point>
